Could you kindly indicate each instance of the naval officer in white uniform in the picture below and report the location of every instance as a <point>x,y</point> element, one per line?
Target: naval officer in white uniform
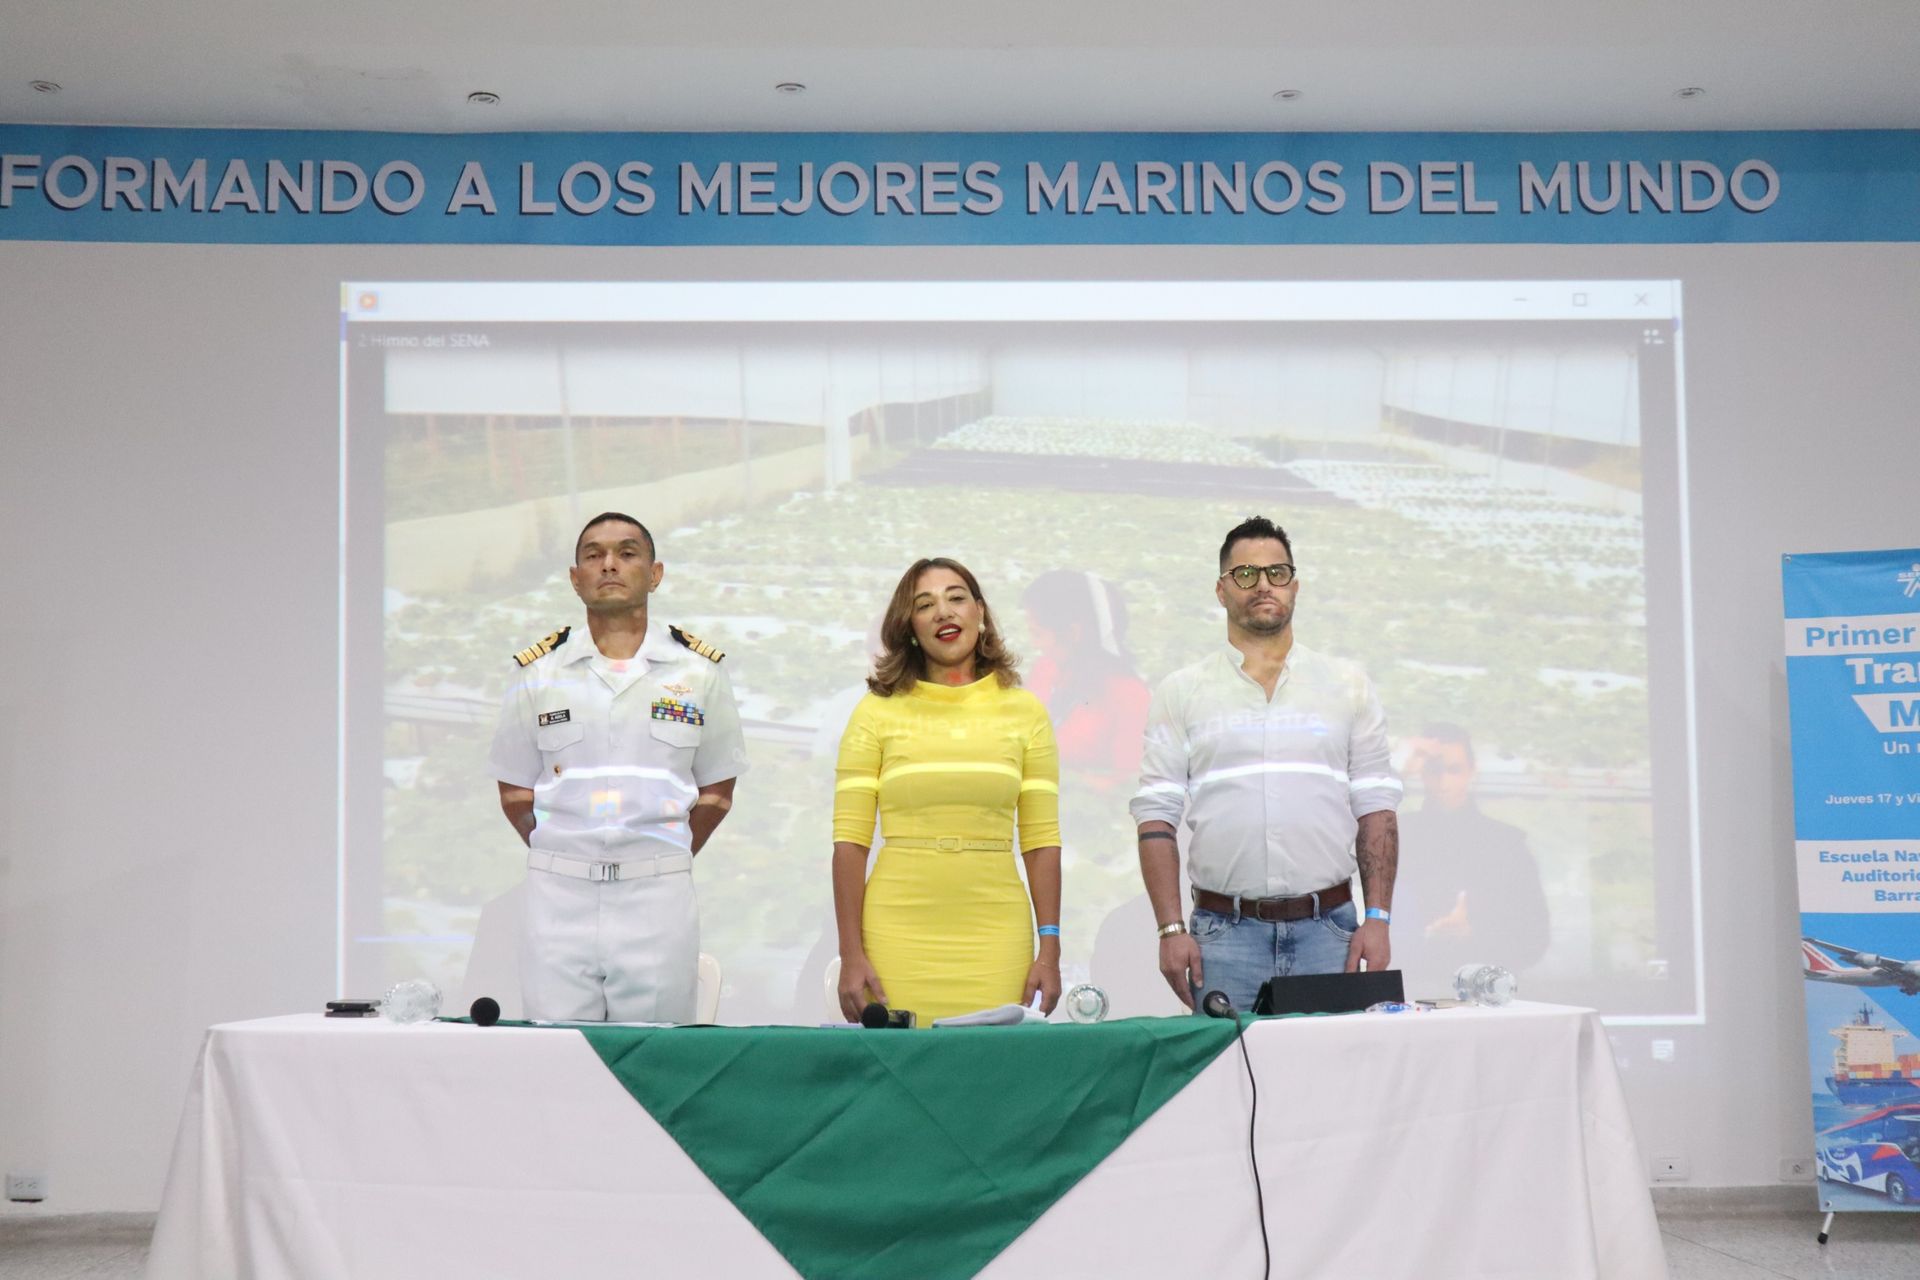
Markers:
<point>616,755</point>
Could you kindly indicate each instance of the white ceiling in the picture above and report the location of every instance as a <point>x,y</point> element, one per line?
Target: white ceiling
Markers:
<point>964,64</point>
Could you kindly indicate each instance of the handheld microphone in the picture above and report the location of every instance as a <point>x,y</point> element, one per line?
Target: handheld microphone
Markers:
<point>877,1017</point>
<point>1216,1005</point>
<point>485,1011</point>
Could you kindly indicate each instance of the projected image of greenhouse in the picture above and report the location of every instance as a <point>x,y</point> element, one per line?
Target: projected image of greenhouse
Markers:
<point>1435,477</point>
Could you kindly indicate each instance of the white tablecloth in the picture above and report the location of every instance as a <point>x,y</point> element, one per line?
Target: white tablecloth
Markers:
<point>1467,1142</point>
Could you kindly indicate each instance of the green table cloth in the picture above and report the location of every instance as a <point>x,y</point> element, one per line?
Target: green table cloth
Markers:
<point>866,1155</point>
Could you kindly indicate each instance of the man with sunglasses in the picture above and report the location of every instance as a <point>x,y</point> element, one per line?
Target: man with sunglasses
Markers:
<point>1276,755</point>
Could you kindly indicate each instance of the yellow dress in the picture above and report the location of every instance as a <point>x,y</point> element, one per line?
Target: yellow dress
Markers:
<point>948,929</point>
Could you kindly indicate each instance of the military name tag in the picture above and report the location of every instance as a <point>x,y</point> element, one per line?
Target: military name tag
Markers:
<point>555,717</point>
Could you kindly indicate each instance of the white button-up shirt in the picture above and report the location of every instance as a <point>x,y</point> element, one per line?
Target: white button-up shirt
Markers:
<point>616,753</point>
<point>1274,789</point>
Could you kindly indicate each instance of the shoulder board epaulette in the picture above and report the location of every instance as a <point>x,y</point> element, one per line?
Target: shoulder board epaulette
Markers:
<point>542,648</point>
<point>696,644</point>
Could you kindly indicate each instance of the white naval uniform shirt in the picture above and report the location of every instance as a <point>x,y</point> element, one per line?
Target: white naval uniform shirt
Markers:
<point>615,761</point>
<point>1274,790</point>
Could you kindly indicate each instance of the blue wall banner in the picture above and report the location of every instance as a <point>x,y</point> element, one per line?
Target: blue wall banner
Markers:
<point>1853,694</point>
<point>294,187</point>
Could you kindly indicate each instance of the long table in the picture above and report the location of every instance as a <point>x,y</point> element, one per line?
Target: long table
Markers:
<point>1467,1142</point>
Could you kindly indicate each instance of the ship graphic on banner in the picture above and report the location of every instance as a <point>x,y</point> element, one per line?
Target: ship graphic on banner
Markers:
<point>1867,1072</point>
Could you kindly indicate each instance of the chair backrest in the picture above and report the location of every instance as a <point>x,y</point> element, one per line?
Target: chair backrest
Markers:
<point>833,991</point>
<point>706,1003</point>
<point>493,965</point>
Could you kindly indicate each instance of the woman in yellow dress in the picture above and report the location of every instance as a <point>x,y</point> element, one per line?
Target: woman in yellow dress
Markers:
<point>952,753</point>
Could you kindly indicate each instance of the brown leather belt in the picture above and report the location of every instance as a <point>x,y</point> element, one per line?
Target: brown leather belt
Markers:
<point>1272,909</point>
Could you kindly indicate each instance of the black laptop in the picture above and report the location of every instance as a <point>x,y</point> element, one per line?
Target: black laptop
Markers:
<point>1328,992</point>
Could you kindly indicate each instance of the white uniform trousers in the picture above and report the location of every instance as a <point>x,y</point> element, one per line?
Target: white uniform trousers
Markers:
<point>619,951</point>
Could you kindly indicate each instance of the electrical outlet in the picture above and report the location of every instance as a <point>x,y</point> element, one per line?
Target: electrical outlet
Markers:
<point>1671,1169</point>
<point>27,1187</point>
<point>1796,1168</point>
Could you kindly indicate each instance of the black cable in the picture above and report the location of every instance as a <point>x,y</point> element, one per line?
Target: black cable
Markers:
<point>1253,1116</point>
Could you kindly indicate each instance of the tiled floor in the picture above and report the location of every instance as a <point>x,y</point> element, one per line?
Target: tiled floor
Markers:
<point>1711,1245</point>
<point>1702,1244</point>
<point>97,1246</point>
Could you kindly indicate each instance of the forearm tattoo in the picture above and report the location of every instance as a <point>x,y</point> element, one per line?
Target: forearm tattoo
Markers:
<point>1379,855</point>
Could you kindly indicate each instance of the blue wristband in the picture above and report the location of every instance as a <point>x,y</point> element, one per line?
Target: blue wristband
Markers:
<point>1048,931</point>
<point>1381,914</point>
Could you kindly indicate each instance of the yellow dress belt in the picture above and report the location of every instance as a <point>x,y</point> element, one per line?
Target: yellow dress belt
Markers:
<point>948,844</point>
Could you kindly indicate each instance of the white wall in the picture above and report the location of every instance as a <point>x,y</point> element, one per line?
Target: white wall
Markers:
<point>168,509</point>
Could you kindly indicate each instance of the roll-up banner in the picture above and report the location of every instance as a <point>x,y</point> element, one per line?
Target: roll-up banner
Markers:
<point>1853,691</point>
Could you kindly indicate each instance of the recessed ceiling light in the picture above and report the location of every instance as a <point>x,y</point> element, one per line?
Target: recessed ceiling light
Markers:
<point>45,86</point>
<point>1690,92</point>
<point>481,98</point>
<point>1286,95</point>
<point>789,86</point>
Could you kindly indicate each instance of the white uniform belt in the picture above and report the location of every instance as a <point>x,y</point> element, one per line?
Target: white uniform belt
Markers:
<point>603,869</point>
<point>950,844</point>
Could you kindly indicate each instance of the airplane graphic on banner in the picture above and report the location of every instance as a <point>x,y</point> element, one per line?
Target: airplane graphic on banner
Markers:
<point>1831,962</point>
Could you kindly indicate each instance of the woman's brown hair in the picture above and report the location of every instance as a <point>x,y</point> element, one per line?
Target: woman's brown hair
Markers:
<point>901,662</point>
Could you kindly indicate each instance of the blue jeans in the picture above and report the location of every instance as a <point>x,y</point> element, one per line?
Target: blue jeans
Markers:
<point>1236,956</point>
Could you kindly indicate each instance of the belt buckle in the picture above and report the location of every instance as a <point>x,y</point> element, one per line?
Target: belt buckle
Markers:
<point>947,844</point>
<point>604,872</point>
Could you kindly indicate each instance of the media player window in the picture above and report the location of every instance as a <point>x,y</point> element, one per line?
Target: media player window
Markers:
<point>1482,480</point>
